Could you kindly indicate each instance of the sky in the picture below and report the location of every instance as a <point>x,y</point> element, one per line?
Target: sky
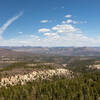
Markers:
<point>50,23</point>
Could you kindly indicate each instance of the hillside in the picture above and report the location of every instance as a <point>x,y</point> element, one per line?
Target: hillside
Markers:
<point>50,82</point>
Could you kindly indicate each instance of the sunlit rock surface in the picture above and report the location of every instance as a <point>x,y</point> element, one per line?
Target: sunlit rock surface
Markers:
<point>35,75</point>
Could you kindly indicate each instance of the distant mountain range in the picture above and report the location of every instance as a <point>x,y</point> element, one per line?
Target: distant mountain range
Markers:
<point>12,53</point>
<point>62,51</point>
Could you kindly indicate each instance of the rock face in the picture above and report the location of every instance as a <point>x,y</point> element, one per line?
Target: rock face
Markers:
<point>44,74</point>
<point>95,66</point>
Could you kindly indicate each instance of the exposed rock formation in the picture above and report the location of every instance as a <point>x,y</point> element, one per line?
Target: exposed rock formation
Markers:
<point>43,74</point>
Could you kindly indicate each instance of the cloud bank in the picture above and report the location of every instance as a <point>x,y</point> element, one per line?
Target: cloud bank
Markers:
<point>65,33</point>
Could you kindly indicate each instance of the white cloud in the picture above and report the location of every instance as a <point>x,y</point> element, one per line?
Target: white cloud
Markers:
<point>9,22</point>
<point>42,30</point>
<point>44,21</point>
<point>25,40</point>
<point>20,32</point>
<point>50,34</point>
<point>66,28</point>
<point>68,16</point>
<point>47,34</point>
<point>67,35</point>
<point>69,21</point>
<point>64,34</point>
<point>51,37</point>
<point>0,37</point>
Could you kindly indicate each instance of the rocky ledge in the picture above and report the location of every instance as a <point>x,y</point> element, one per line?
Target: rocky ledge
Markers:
<point>35,75</point>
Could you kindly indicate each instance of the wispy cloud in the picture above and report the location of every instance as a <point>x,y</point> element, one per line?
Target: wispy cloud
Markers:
<point>68,16</point>
<point>8,23</point>
<point>44,21</point>
<point>42,30</point>
<point>20,32</point>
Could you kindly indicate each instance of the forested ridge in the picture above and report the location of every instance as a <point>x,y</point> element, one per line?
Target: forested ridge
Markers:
<point>84,86</point>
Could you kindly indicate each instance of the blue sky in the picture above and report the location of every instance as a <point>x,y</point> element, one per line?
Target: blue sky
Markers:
<point>50,22</point>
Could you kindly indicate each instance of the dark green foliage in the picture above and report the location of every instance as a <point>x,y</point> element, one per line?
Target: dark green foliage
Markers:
<point>83,87</point>
<point>81,66</point>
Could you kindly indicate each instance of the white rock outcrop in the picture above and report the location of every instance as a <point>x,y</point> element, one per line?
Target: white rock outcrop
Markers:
<point>43,74</point>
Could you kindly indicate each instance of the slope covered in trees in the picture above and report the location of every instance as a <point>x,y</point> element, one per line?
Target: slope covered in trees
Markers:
<point>84,86</point>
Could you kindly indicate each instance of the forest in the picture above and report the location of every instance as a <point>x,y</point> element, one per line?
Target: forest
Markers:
<point>84,86</point>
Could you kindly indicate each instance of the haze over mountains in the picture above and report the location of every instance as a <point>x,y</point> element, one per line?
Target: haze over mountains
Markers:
<point>62,51</point>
